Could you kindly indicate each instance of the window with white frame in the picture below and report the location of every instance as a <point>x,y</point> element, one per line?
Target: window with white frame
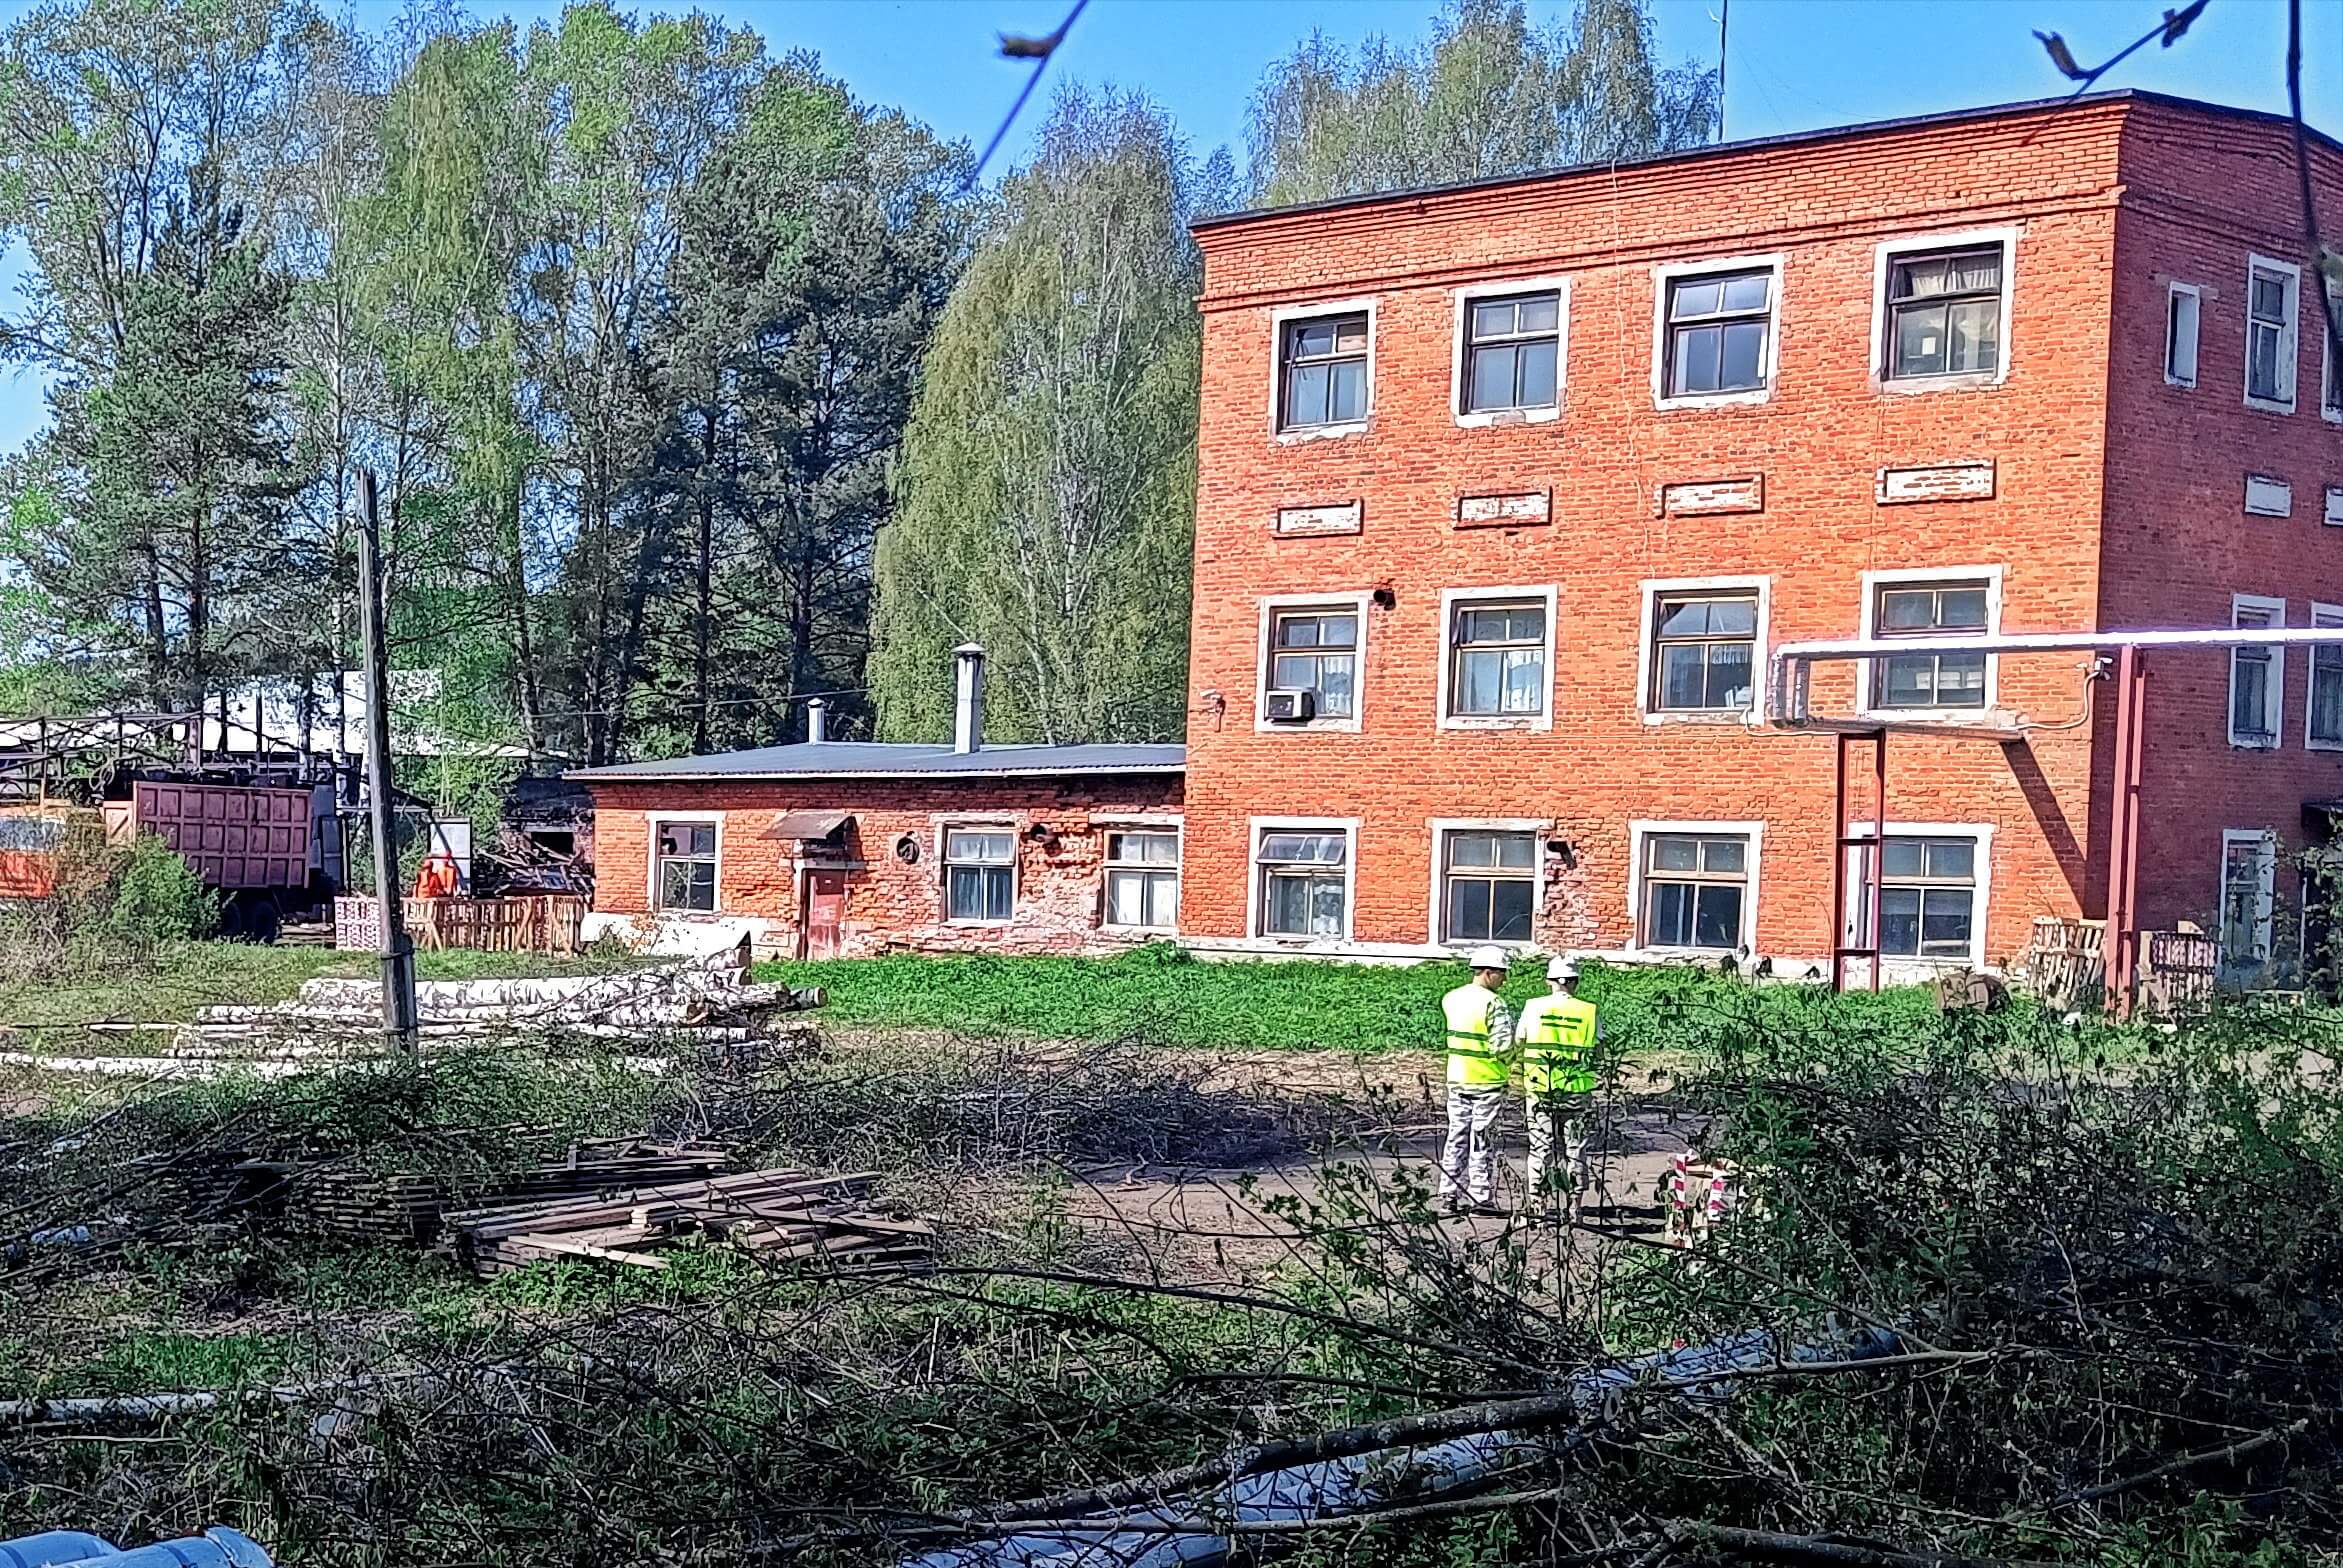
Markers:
<point>2330,381</point>
<point>2324,726</point>
<point>1927,897</point>
<point>1695,889</point>
<point>1143,878</point>
<point>683,866</point>
<point>1704,650</point>
<point>2249,886</point>
<point>980,873</point>
<point>1944,311</point>
<point>1929,679</point>
<point>1716,332</point>
<point>1512,352</point>
<point>1322,371</point>
<point>2272,294</point>
<point>2257,675</point>
<point>2183,305</point>
<point>1488,884</point>
<point>1315,648</point>
<point>1497,658</point>
<point>1302,881</point>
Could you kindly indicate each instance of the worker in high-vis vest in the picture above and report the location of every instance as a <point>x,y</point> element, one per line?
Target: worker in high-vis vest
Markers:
<point>1480,1064</point>
<point>1557,1039</point>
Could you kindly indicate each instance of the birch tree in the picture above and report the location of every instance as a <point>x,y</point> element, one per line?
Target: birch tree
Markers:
<point>1047,500</point>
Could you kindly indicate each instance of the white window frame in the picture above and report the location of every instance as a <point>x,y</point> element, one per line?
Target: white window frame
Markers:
<point>1653,588</point>
<point>1889,251</point>
<point>1547,596</point>
<point>1014,826</point>
<point>658,819</point>
<point>1257,827</point>
<point>2289,336</point>
<point>1106,868</point>
<point>1991,577</point>
<point>2195,295</point>
<point>1667,273</point>
<point>1483,418</point>
<point>1278,318</point>
<point>1270,608</point>
<point>1979,909</point>
<point>2265,897</point>
<point>1441,828</point>
<point>2274,698</point>
<point>2322,616</point>
<point>1638,832</point>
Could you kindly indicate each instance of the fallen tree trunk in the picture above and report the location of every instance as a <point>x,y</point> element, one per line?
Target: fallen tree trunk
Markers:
<point>1356,1472</point>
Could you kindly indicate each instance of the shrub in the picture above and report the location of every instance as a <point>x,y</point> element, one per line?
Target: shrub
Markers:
<point>157,896</point>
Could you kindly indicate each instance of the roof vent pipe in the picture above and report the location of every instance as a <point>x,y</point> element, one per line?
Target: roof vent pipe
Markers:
<point>817,722</point>
<point>968,698</point>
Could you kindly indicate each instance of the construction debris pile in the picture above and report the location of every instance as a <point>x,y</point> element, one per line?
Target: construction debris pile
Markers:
<point>784,1215</point>
<point>709,1004</point>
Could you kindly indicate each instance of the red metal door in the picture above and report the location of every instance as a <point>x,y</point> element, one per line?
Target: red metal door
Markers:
<point>825,910</point>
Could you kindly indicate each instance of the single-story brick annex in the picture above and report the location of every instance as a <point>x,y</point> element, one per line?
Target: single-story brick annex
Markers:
<point>848,849</point>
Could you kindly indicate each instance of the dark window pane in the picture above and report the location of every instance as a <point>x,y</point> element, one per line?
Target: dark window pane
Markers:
<point>1952,858</point>
<point>1944,921</point>
<point>1347,400</point>
<point>1732,617</point>
<point>1975,328</point>
<point>1961,609</point>
<point>1907,609</point>
<point>1960,680</point>
<point>1748,291</point>
<point>1695,297</point>
<point>1728,675</point>
<point>1671,853</point>
<point>1509,911</point>
<point>1333,684</point>
<point>1537,364</point>
<point>1718,917</point>
<point>1477,678</point>
<point>1744,357</point>
<point>1920,341</point>
<point>1723,855</point>
<point>1493,320</point>
<point>1909,682</point>
<point>1540,313</point>
<point>1902,857</point>
<point>1669,922</point>
<point>1305,402</point>
<point>1683,678</point>
<point>1899,920</point>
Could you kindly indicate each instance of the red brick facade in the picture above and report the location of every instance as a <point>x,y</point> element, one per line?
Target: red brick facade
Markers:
<point>889,854</point>
<point>2085,491</point>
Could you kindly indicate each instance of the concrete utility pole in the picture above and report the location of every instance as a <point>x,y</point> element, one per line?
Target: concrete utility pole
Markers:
<point>399,1030</point>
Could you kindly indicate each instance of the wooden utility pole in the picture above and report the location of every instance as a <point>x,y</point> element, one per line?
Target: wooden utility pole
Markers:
<point>398,955</point>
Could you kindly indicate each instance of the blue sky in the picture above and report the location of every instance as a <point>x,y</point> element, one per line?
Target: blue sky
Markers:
<point>1791,64</point>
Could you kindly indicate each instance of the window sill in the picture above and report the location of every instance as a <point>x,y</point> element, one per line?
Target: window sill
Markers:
<point>1355,427</point>
<point>2263,405</point>
<point>1503,418</point>
<point>1149,933</point>
<point>2235,744</point>
<point>2312,743</point>
<point>980,925</point>
<point>1713,399</point>
<point>1948,718</point>
<point>1308,727</point>
<point>668,912</point>
<point>1736,718</point>
<point>1679,955</point>
<point>1480,721</point>
<point>1964,381</point>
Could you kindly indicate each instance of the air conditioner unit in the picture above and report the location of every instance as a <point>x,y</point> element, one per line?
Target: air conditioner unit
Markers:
<point>1291,705</point>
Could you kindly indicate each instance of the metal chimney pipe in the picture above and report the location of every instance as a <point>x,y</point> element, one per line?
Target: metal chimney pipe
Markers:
<point>968,698</point>
<point>817,722</point>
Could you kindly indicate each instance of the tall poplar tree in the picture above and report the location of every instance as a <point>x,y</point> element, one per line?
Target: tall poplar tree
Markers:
<point>1047,499</point>
<point>1488,94</point>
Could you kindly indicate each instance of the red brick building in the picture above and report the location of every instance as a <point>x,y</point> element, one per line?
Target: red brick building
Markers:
<point>1506,491</point>
<point>853,848</point>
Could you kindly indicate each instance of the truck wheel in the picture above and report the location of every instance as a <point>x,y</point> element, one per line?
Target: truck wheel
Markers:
<point>263,920</point>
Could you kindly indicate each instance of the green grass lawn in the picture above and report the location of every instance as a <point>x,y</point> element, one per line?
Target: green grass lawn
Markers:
<point>1165,996</point>
<point>187,977</point>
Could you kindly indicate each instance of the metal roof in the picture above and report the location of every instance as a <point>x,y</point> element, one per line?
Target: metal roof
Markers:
<point>1748,144</point>
<point>851,759</point>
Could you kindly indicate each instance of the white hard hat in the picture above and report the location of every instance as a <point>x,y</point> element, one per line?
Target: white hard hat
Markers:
<point>1561,967</point>
<point>1486,957</point>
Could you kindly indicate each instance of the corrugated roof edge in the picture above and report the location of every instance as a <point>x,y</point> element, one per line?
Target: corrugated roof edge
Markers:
<point>1758,143</point>
<point>1015,761</point>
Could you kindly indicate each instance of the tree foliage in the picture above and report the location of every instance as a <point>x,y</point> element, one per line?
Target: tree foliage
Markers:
<point>1490,93</point>
<point>1048,494</point>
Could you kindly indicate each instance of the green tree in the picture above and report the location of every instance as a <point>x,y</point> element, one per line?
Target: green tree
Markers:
<point>1047,497</point>
<point>818,247</point>
<point>1488,94</point>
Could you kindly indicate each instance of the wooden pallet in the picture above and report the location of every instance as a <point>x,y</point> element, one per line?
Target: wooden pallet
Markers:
<point>785,1215</point>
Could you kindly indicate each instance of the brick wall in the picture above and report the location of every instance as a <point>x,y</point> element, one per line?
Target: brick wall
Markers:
<point>1818,442</point>
<point>892,904</point>
<point>2202,194</point>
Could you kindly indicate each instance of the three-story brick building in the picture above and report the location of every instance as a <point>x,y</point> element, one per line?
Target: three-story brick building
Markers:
<point>1507,490</point>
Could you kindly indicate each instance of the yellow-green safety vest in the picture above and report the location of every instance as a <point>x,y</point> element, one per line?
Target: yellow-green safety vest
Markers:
<point>1557,1045</point>
<point>1470,1061</point>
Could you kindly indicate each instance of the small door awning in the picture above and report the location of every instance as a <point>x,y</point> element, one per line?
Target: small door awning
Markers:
<point>808,826</point>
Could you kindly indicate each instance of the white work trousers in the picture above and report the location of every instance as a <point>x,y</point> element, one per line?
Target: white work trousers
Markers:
<point>1558,1121</point>
<point>1469,1159</point>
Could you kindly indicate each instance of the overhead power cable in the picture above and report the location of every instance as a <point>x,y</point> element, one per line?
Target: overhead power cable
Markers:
<point>1015,46</point>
